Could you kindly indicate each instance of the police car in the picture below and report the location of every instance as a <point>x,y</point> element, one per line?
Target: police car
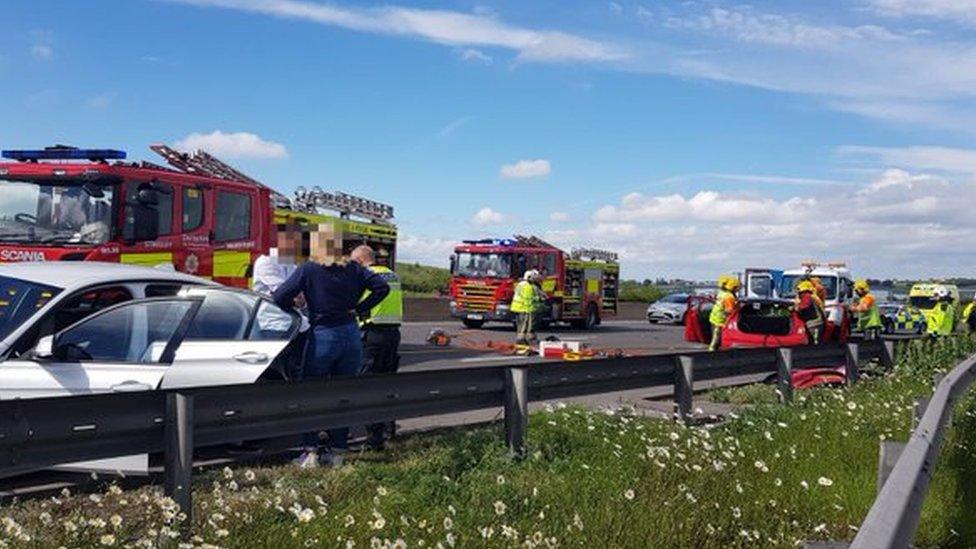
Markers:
<point>901,318</point>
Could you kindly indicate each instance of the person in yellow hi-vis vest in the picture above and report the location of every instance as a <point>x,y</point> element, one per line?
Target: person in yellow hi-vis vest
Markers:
<point>868,315</point>
<point>726,301</point>
<point>941,320</point>
<point>526,303</point>
<point>969,315</point>
<point>381,335</point>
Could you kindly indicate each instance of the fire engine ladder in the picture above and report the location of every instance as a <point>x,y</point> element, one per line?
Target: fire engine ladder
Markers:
<point>532,241</point>
<point>202,163</point>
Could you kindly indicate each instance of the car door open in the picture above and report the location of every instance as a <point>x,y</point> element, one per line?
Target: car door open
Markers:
<point>235,338</point>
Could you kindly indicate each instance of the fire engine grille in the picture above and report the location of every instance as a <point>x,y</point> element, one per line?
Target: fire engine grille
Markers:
<point>476,297</point>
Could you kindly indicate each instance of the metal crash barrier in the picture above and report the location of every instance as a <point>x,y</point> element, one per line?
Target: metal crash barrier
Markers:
<point>36,434</point>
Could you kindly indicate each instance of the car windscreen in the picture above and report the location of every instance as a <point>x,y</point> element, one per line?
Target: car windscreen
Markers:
<point>923,302</point>
<point>19,299</point>
<point>483,265</point>
<point>675,298</point>
<point>63,211</point>
<point>787,285</point>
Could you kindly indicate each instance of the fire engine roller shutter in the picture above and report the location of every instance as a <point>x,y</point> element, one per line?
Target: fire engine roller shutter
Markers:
<point>148,259</point>
<point>231,264</point>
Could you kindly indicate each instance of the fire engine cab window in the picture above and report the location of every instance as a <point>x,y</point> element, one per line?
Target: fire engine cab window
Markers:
<point>164,206</point>
<point>192,208</point>
<point>233,217</point>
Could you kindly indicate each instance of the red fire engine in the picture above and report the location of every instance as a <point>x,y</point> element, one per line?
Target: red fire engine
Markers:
<point>581,285</point>
<point>200,215</point>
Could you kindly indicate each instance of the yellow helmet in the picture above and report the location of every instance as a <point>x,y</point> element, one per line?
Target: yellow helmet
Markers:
<point>728,282</point>
<point>861,286</point>
<point>805,286</point>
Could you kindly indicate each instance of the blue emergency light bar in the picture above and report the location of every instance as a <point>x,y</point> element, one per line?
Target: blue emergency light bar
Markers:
<point>61,152</point>
<point>492,241</point>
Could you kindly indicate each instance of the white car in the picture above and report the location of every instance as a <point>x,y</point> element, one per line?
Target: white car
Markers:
<point>670,308</point>
<point>84,328</point>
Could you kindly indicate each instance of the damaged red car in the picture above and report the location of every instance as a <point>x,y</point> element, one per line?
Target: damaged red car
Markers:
<point>766,323</point>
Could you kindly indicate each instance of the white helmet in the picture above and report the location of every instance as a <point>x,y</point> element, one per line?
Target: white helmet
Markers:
<point>531,275</point>
<point>941,292</point>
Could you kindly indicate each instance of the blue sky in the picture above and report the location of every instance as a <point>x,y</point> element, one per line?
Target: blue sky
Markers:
<point>693,137</point>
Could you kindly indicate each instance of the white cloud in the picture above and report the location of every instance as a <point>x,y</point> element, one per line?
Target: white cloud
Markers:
<point>42,52</point>
<point>745,25</point>
<point>944,159</point>
<point>232,145</point>
<point>525,169</point>
<point>962,11</point>
<point>615,8</point>
<point>102,100</point>
<point>559,217</point>
<point>899,223</point>
<point>424,250</point>
<point>453,126</point>
<point>471,54</point>
<point>769,179</point>
<point>41,45</point>
<point>480,29</point>
<point>488,216</point>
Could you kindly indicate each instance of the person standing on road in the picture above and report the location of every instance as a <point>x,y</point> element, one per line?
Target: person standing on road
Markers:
<point>868,314</point>
<point>333,294</point>
<point>941,319</point>
<point>380,335</point>
<point>525,305</point>
<point>969,315</point>
<point>809,310</point>
<point>726,301</point>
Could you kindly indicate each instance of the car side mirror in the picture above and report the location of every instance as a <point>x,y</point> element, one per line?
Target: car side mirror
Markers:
<point>44,348</point>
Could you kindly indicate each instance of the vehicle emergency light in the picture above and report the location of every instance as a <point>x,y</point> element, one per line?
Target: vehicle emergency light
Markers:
<point>62,152</point>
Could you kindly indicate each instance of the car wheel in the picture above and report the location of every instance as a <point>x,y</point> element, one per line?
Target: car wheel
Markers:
<point>473,324</point>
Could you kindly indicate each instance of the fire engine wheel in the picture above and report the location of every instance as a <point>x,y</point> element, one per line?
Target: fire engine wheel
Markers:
<point>473,324</point>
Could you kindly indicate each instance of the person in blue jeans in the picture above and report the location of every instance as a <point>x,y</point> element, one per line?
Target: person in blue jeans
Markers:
<point>332,295</point>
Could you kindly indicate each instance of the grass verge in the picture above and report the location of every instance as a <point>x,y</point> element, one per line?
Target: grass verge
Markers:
<point>771,476</point>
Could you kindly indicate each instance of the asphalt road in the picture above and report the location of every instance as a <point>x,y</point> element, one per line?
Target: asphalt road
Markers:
<point>630,336</point>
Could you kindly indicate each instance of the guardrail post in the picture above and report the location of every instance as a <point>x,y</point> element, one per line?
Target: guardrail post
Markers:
<point>890,451</point>
<point>516,409</point>
<point>684,380</point>
<point>784,374</point>
<point>851,372</point>
<point>888,355</point>
<point>179,453</point>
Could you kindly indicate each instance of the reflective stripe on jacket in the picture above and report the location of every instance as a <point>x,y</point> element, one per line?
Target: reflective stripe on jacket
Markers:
<point>389,312</point>
<point>525,299</point>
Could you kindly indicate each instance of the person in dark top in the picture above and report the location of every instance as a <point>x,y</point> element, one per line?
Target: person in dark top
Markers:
<point>332,294</point>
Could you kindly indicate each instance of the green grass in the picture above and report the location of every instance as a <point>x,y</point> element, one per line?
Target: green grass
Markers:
<point>757,393</point>
<point>771,476</point>
<point>422,279</point>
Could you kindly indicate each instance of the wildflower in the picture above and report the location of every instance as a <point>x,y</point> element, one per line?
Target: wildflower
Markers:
<point>349,520</point>
<point>824,481</point>
<point>107,539</point>
<point>804,484</point>
<point>450,539</point>
<point>381,490</point>
<point>629,494</point>
<point>673,436</point>
<point>500,508</point>
<point>448,523</point>
<point>222,533</point>
<point>852,405</point>
<point>399,544</point>
<point>115,521</point>
<point>500,479</point>
<point>249,475</point>
<point>228,473</point>
<point>736,512</point>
